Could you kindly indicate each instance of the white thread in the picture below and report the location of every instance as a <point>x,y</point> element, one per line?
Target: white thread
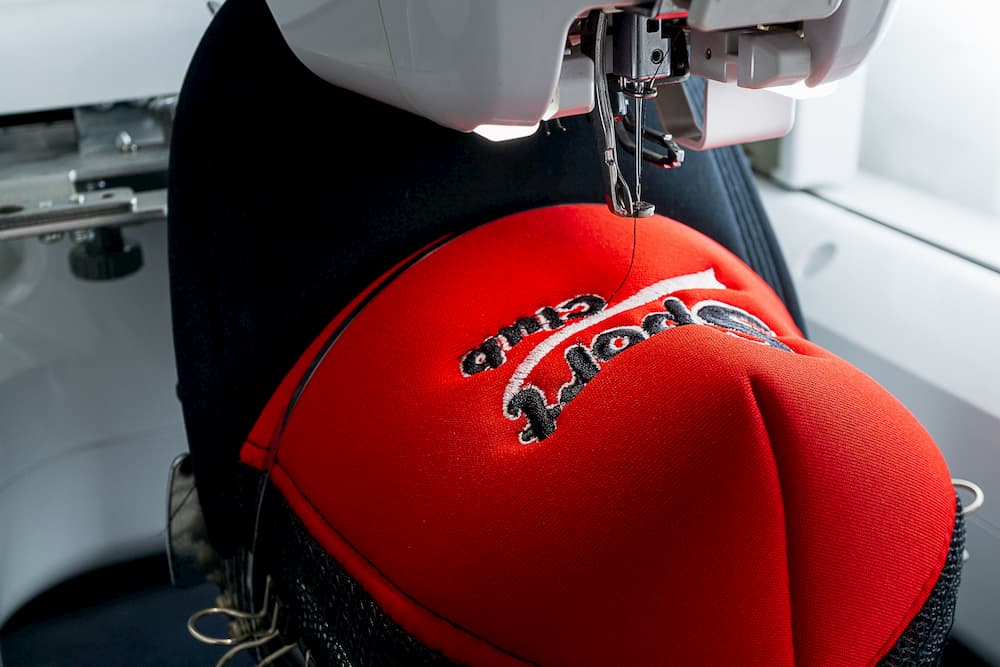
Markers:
<point>702,280</point>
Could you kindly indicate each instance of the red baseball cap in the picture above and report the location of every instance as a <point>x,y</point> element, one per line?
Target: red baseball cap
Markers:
<point>522,458</point>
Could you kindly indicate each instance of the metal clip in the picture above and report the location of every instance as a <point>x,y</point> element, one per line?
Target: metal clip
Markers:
<point>284,650</point>
<point>256,641</point>
<point>977,501</point>
<point>978,496</point>
<point>233,614</point>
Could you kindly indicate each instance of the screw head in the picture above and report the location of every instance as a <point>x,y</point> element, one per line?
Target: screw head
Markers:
<point>83,235</point>
<point>125,143</point>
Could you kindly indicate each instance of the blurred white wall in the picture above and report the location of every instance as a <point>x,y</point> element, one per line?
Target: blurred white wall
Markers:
<point>65,53</point>
<point>932,115</point>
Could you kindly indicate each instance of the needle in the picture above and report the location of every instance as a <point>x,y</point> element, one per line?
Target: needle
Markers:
<point>638,153</point>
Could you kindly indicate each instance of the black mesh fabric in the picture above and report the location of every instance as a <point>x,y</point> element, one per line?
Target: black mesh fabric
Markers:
<point>343,626</point>
<point>336,618</point>
<point>922,643</point>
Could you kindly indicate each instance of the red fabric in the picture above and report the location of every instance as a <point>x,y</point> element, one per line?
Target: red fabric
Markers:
<point>714,494</point>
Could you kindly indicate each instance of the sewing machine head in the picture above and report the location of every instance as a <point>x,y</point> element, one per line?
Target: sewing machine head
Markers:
<point>501,67</point>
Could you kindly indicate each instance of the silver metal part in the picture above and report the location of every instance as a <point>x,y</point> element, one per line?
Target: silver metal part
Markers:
<point>82,235</point>
<point>164,110</point>
<point>256,642</point>
<point>978,498</point>
<point>190,556</point>
<point>274,657</point>
<point>619,196</point>
<point>106,203</point>
<point>248,629</point>
<point>639,124</point>
<point>249,625</point>
<point>647,53</point>
<point>61,175</point>
<point>127,127</point>
<point>115,206</point>
<point>51,237</point>
<point>125,143</point>
<point>643,209</point>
